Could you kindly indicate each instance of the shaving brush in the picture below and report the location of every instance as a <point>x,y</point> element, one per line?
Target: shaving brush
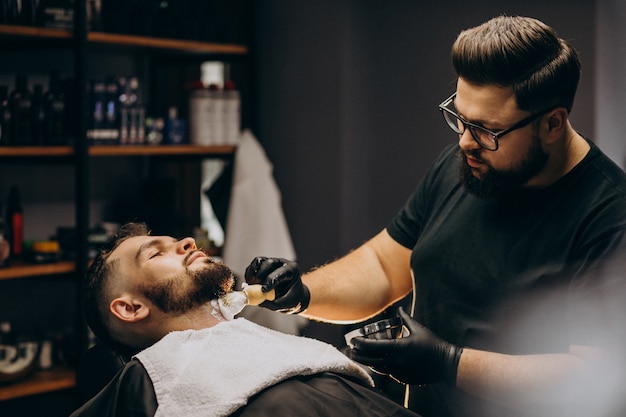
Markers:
<point>232,303</point>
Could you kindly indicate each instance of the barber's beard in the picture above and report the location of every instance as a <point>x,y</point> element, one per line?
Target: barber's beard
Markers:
<point>192,289</point>
<point>494,183</point>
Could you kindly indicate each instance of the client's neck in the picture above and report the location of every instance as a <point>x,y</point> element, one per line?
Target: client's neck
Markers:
<point>199,318</point>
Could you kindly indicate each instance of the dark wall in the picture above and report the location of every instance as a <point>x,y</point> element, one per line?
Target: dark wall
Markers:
<point>346,102</point>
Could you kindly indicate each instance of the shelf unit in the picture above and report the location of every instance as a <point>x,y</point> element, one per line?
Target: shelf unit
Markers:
<point>46,380</point>
<point>41,382</point>
<point>81,153</point>
<point>23,270</point>
<point>24,33</point>
<point>145,150</point>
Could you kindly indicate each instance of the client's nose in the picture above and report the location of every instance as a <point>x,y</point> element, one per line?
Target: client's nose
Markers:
<point>187,244</point>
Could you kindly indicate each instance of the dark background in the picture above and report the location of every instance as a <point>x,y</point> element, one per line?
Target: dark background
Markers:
<point>343,96</point>
<point>346,103</point>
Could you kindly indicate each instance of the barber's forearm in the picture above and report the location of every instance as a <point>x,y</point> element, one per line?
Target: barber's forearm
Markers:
<point>361,284</point>
<point>521,380</point>
<point>345,290</point>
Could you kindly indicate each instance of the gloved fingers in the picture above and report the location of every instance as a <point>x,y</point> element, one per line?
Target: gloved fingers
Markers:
<point>378,365</point>
<point>383,366</point>
<point>259,269</point>
<point>252,271</point>
<point>280,277</point>
<point>409,322</point>
<point>283,276</point>
<point>294,301</point>
<point>372,347</point>
<point>365,358</point>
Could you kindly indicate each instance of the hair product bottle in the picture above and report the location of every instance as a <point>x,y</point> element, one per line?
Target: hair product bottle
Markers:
<point>15,222</point>
<point>38,115</point>
<point>54,112</point>
<point>5,250</point>
<point>5,117</point>
<point>20,102</point>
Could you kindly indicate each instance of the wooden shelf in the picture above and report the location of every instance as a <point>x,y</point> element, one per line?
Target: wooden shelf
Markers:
<point>165,44</point>
<point>36,151</point>
<point>34,32</point>
<point>31,40</point>
<point>167,150</point>
<point>139,150</point>
<point>40,382</point>
<point>186,46</point>
<point>32,270</point>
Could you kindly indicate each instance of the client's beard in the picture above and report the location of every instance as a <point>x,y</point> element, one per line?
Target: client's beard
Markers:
<point>496,183</point>
<point>184,293</point>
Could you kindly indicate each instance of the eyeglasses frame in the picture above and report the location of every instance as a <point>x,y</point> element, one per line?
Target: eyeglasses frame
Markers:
<point>496,135</point>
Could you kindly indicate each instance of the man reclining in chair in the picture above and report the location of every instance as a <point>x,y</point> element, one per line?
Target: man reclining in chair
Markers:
<point>157,296</point>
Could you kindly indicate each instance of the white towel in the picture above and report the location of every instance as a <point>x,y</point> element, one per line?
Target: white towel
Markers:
<point>215,371</point>
<point>256,225</point>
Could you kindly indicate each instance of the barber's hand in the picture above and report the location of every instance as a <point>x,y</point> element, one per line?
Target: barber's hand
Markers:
<point>284,276</point>
<point>419,358</point>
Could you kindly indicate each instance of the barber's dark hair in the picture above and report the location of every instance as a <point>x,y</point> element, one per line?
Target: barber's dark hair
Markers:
<point>95,304</point>
<point>521,52</point>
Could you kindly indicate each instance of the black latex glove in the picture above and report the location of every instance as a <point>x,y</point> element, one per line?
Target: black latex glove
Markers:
<point>284,276</point>
<point>417,359</point>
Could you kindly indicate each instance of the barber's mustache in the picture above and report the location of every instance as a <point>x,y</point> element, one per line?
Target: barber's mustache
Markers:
<point>474,153</point>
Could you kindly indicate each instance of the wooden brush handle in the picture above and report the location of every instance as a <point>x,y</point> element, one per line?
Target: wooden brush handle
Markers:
<point>256,295</point>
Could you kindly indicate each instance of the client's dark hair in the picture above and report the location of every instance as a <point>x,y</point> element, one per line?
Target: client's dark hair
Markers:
<point>521,52</point>
<point>95,303</point>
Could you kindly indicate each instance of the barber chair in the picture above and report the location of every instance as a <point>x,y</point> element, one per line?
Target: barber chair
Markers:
<point>97,366</point>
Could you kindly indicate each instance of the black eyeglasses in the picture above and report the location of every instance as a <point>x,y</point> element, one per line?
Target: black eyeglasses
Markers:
<point>484,137</point>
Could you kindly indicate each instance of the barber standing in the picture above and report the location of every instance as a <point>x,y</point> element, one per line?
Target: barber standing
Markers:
<point>503,243</point>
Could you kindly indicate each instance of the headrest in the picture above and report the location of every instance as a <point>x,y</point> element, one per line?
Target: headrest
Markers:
<point>97,366</point>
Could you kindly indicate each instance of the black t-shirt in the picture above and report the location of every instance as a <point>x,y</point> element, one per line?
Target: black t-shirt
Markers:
<point>515,274</point>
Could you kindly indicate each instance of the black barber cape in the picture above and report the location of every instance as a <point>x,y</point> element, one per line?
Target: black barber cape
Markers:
<point>131,394</point>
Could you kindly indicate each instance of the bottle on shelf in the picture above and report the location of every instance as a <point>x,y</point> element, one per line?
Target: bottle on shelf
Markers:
<point>131,112</point>
<point>199,105</point>
<point>5,247</point>
<point>58,14</point>
<point>137,113</point>
<point>54,112</point>
<point>29,12</point>
<point>124,105</point>
<point>111,111</point>
<point>68,88</point>
<point>94,14</point>
<point>15,223</point>
<point>232,113</point>
<point>7,337</point>
<point>20,102</point>
<point>9,12</point>
<point>154,130</point>
<point>38,115</point>
<point>5,117</point>
<point>97,105</point>
<point>216,114</point>
<point>174,128</point>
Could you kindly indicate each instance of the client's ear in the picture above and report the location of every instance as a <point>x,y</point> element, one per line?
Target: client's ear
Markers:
<point>128,309</point>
